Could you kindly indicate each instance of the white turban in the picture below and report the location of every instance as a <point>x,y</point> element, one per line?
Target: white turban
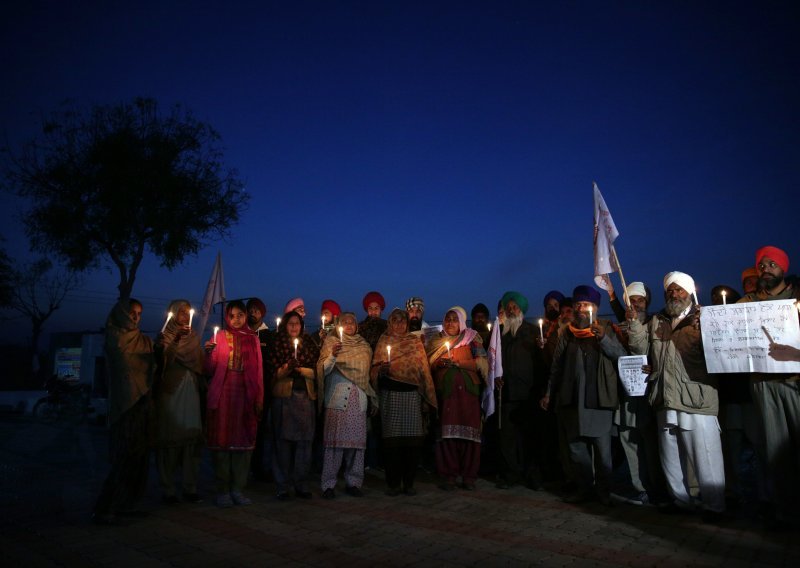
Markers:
<point>681,279</point>
<point>636,289</point>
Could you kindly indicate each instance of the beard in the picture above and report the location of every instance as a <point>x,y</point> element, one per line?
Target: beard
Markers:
<point>511,325</point>
<point>769,282</point>
<point>414,324</point>
<point>580,320</point>
<point>551,314</point>
<point>251,321</point>
<point>674,308</point>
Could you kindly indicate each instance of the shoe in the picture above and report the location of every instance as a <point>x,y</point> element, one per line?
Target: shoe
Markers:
<point>328,494</point>
<point>302,494</point>
<point>192,498</point>
<point>223,501</point>
<point>468,486</point>
<point>410,491</point>
<point>392,492</point>
<point>634,498</point>
<point>447,486</point>
<point>354,491</point>
<point>282,496</point>
<point>239,499</point>
<point>170,500</point>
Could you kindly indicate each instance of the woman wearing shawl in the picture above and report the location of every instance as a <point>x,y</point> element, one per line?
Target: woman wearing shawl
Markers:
<point>179,428</point>
<point>458,361</point>
<point>235,403</point>
<point>292,371</point>
<point>343,371</point>
<point>405,392</point>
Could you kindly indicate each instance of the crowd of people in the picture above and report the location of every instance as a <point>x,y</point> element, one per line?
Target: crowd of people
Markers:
<point>398,394</point>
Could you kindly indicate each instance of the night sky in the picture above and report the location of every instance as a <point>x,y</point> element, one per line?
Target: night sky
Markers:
<point>440,149</point>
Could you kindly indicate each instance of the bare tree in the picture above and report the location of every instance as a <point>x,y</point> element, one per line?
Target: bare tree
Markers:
<point>37,291</point>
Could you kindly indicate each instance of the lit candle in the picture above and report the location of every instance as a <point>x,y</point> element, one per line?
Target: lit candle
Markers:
<point>447,344</point>
<point>277,323</point>
<point>216,330</point>
<point>191,316</point>
<point>169,317</point>
<point>541,331</point>
<point>323,322</point>
<point>724,298</point>
<point>591,320</point>
<point>489,326</point>
<point>389,353</point>
<point>694,293</point>
<point>341,333</point>
<point>296,341</point>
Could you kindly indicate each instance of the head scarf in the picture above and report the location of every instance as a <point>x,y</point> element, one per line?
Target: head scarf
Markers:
<point>293,304</point>
<point>283,347</point>
<point>480,309</point>
<point>415,302</point>
<point>636,289</point>
<point>518,299</point>
<point>373,297</point>
<point>681,279</point>
<point>408,359</point>
<point>586,294</point>
<point>776,254</point>
<point>187,351</point>
<point>749,272</point>
<point>353,360</point>
<point>258,304</point>
<point>436,345</point>
<point>559,297</point>
<point>332,307</point>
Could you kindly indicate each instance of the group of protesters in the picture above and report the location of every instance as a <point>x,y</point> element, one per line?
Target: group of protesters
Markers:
<point>399,394</point>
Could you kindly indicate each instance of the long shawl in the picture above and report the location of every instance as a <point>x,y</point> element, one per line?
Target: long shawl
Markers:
<point>130,359</point>
<point>353,362</point>
<point>409,363</point>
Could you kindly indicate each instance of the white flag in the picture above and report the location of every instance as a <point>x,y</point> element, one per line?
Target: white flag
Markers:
<point>215,293</point>
<point>605,233</point>
<point>495,356</point>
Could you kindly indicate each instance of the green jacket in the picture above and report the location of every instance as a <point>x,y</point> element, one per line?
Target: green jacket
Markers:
<point>680,380</point>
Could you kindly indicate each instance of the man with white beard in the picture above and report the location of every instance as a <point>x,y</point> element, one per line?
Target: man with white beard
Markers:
<point>523,379</point>
<point>684,396</point>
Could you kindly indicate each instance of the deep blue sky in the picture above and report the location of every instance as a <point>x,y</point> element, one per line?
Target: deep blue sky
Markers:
<point>442,149</point>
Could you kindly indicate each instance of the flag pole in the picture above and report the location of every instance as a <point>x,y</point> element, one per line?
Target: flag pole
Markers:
<point>621,277</point>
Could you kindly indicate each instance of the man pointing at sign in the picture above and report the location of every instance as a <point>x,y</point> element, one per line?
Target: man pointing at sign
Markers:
<point>777,397</point>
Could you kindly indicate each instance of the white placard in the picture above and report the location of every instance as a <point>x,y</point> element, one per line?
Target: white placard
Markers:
<point>633,380</point>
<point>736,337</point>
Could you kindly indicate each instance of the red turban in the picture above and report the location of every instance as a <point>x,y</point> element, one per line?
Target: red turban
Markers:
<point>332,307</point>
<point>373,297</point>
<point>776,254</point>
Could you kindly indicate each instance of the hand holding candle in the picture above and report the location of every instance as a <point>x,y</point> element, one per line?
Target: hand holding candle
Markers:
<point>169,317</point>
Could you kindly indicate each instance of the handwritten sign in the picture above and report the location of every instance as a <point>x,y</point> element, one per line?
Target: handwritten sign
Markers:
<point>736,337</point>
<point>633,380</point>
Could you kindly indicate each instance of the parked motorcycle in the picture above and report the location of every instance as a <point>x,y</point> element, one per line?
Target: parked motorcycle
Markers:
<point>67,401</point>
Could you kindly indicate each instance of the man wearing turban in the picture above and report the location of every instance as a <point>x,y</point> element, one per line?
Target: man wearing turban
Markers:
<point>583,387</point>
<point>777,396</point>
<point>372,327</point>
<point>523,380</point>
<point>684,397</point>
